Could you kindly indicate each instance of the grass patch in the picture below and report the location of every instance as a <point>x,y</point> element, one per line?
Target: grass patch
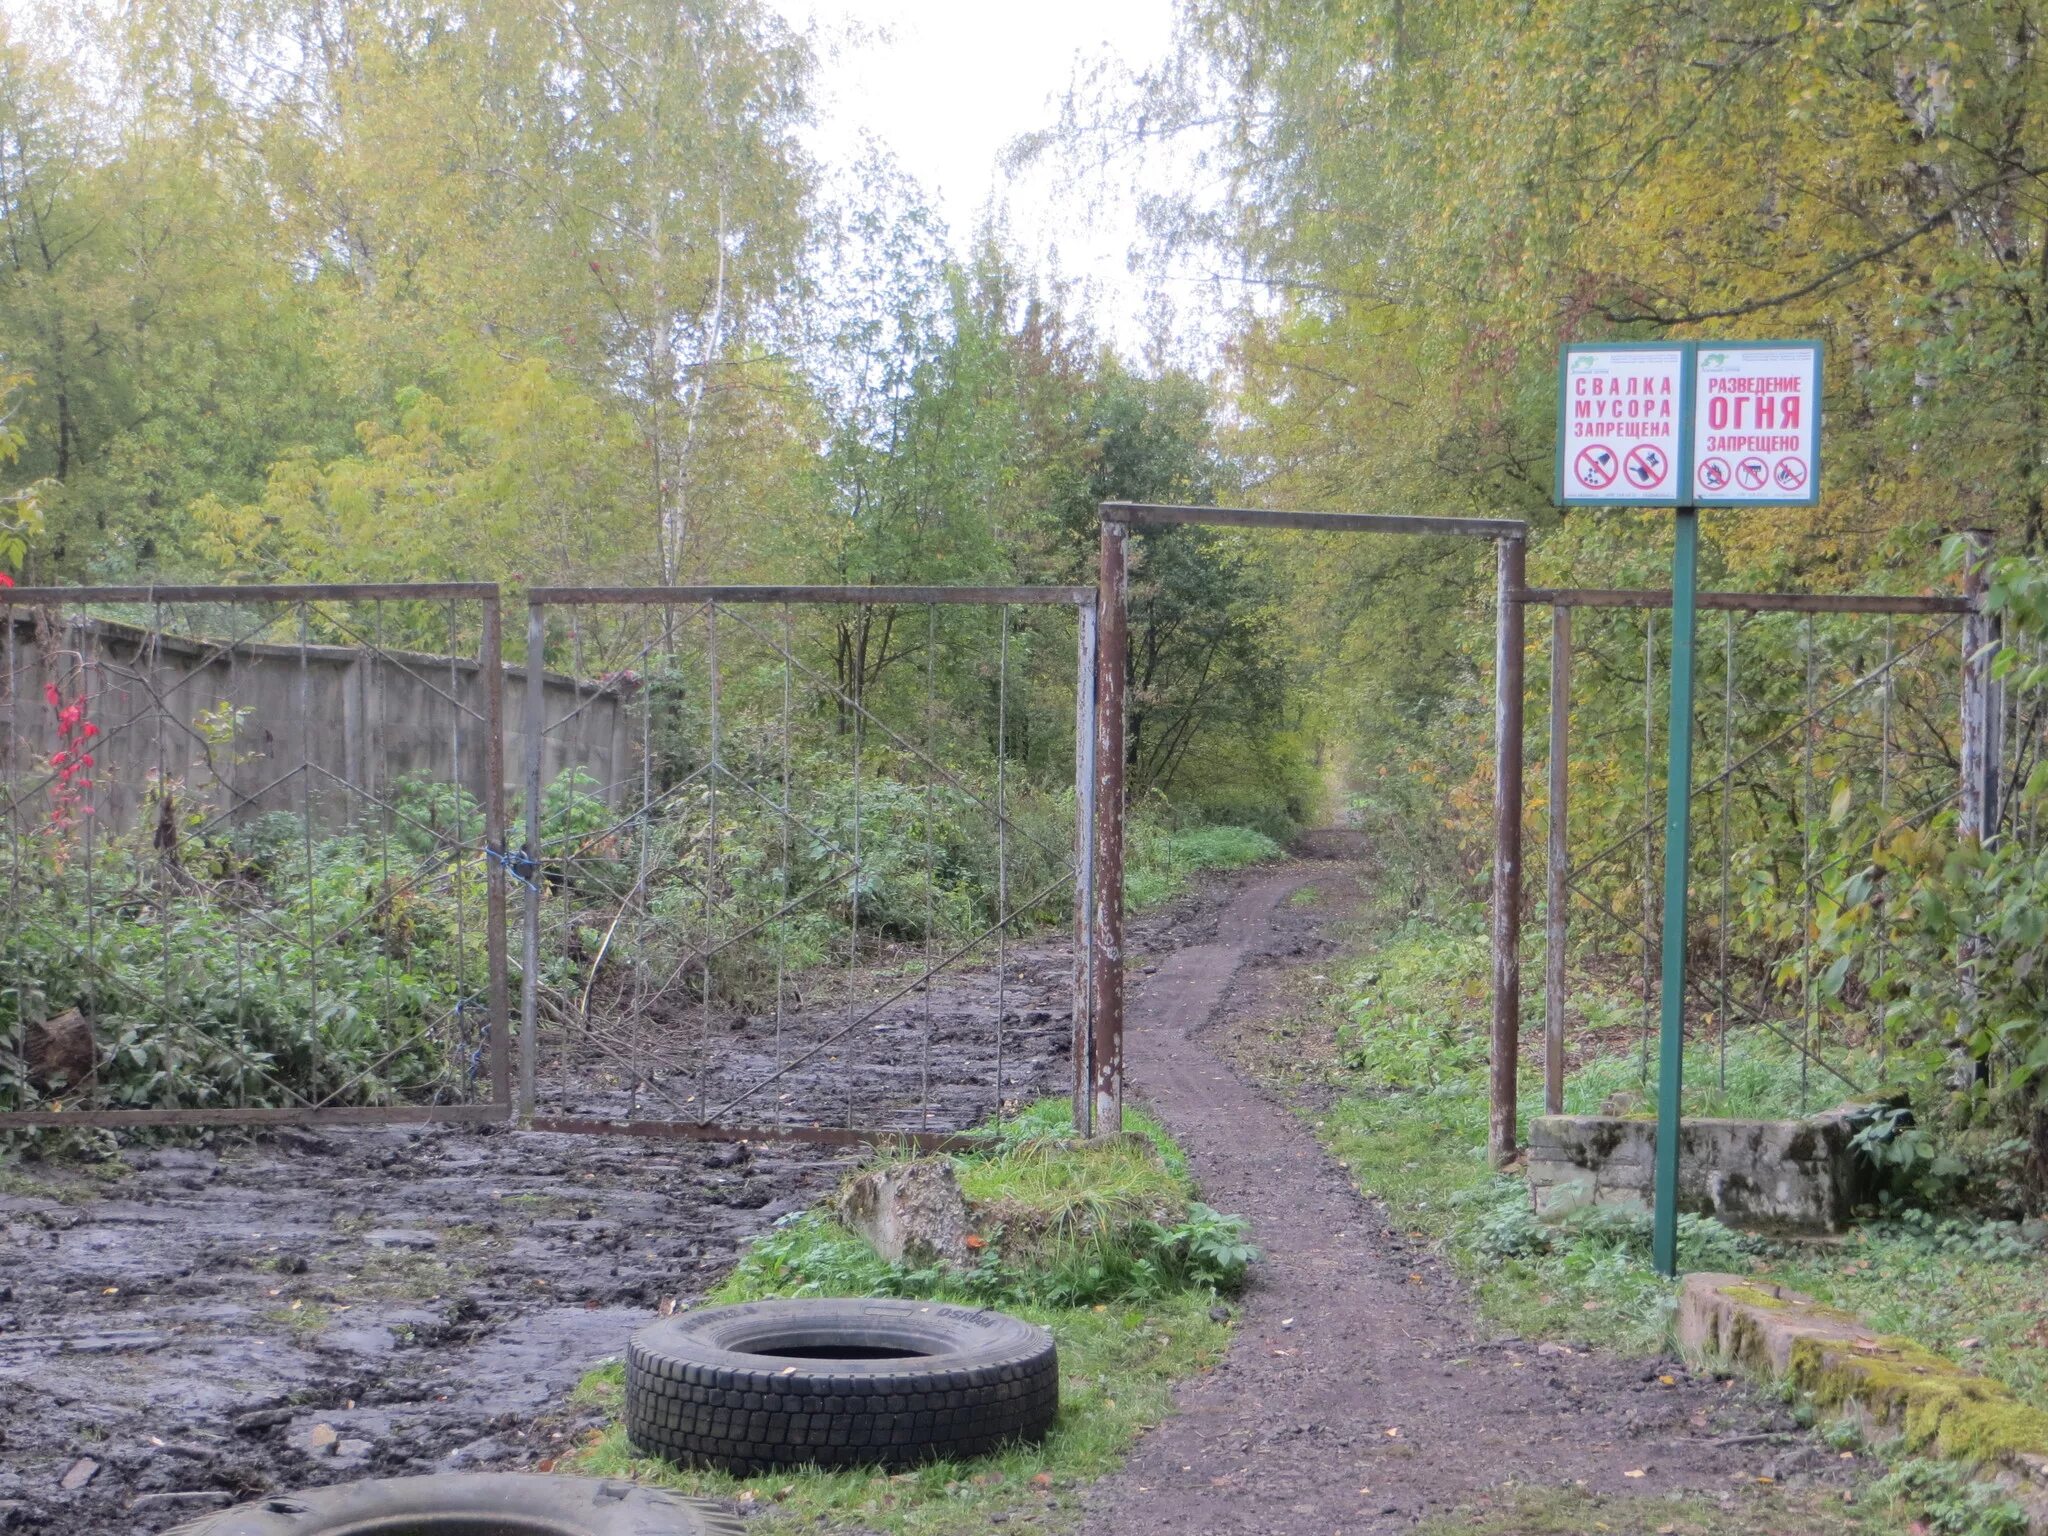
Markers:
<point>1103,1244</point>
<point>1411,1020</point>
<point>302,1317</point>
<point>1161,862</point>
<point>1973,1292</point>
<point>75,1184</point>
<point>1569,1512</point>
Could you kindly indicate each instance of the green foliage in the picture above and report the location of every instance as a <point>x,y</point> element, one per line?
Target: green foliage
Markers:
<point>1160,861</point>
<point>247,972</point>
<point>1950,1502</point>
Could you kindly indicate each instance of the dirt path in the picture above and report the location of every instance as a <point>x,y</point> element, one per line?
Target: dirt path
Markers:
<point>1358,1395</point>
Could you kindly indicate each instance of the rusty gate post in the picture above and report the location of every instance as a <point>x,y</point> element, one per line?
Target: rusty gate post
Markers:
<point>1977,809</point>
<point>1557,866</point>
<point>529,965</point>
<point>498,1000</point>
<point>1084,870</point>
<point>1507,846</point>
<point>1112,645</point>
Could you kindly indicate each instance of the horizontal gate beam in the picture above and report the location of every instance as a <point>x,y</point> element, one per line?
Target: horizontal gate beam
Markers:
<point>814,1135</point>
<point>343,592</point>
<point>1749,602</point>
<point>1071,597</point>
<point>364,1114</point>
<point>1135,514</point>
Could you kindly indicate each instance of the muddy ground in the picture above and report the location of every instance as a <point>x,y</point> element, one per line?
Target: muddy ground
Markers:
<point>215,1317</point>
<point>231,1316</point>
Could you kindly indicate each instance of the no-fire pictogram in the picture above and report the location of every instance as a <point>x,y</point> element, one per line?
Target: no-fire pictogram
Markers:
<point>1596,466</point>
<point>1646,466</point>
<point>1712,474</point>
<point>1790,473</point>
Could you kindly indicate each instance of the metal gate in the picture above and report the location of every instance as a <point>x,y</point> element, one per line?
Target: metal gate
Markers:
<point>790,863</point>
<point>243,855</point>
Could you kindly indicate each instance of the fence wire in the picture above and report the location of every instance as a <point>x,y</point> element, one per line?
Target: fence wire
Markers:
<point>1827,735</point>
<point>814,867</point>
<point>243,856</point>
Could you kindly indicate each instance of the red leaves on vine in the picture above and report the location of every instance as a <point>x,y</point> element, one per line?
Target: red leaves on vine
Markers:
<point>71,763</point>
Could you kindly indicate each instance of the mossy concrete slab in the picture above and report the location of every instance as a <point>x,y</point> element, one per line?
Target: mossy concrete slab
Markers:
<point>1892,1384</point>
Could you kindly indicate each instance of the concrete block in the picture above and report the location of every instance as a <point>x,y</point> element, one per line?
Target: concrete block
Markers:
<point>913,1213</point>
<point>1778,1175</point>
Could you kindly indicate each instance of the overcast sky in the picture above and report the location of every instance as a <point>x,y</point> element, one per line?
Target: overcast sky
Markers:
<point>947,84</point>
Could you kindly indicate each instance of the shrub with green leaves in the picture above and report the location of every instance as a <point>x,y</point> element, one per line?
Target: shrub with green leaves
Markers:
<point>253,971</point>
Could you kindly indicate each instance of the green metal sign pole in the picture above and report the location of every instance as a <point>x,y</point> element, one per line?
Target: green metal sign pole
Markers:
<point>1685,559</point>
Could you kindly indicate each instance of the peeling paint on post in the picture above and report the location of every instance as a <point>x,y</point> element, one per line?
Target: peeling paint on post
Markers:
<point>1977,811</point>
<point>1557,867</point>
<point>1507,846</point>
<point>1977,808</point>
<point>1112,644</point>
<point>529,968</point>
<point>491,661</point>
<point>1084,872</point>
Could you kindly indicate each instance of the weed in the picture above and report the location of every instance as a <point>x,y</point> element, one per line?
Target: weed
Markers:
<point>1567,1512</point>
<point>1949,1503</point>
<point>301,1317</point>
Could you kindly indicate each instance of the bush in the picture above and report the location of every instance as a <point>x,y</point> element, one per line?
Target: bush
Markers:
<point>245,972</point>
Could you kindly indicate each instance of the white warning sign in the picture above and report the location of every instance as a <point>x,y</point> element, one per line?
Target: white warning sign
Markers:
<point>1621,418</point>
<point>1756,424</point>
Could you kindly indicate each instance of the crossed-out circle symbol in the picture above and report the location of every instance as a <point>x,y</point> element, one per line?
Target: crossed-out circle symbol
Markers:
<point>1646,466</point>
<point>1791,472</point>
<point>1596,466</point>
<point>1751,473</point>
<point>1713,474</point>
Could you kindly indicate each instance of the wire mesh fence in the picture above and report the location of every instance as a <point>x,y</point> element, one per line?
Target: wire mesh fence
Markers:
<point>243,864</point>
<point>820,874</point>
<point>1820,737</point>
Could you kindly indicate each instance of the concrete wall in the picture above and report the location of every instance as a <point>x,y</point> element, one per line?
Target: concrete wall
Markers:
<point>1791,1175</point>
<point>363,719</point>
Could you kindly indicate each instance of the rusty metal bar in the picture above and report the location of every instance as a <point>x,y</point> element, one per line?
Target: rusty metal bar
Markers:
<point>295,593</point>
<point>1977,806</point>
<point>1557,903</point>
<point>529,968</point>
<point>498,1000</point>
<point>815,1135</point>
<point>1983,708</point>
<point>1070,597</point>
<point>1750,602</point>
<point>1112,648</point>
<point>1132,514</point>
<point>1084,870</point>
<point>1507,848</point>
<point>138,1119</point>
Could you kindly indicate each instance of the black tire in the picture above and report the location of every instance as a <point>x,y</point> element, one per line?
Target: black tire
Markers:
<point>472,1504</point>
<point>837,1384</point>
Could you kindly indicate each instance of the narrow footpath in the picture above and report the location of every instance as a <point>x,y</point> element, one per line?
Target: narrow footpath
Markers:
<point>1359,1393</point>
